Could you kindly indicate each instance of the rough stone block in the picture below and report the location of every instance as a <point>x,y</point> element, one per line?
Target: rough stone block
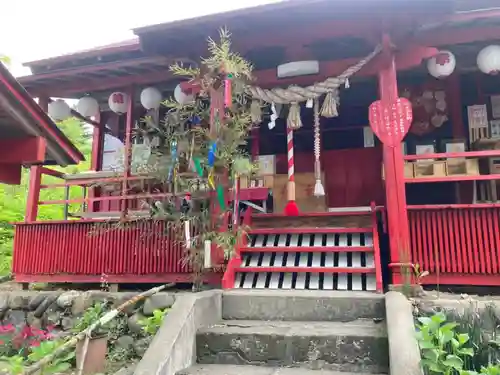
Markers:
<point>359,346</point>
<point>301,305</point>
<point>157,301</point>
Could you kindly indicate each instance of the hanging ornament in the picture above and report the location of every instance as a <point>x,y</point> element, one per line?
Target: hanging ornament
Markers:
<point>87,106</point>
<point>329,107</point>
<point>118,102</point>
<point>488,60</point>
<point>59,110</point>
<point>181,97</point>
<point>151,98</point>
<point>294,122</point>
<point>441,65</point>
<point>309,103</point>
<point>319,190</point>
<point>228,92</point>
<point>274,116</point>
<point>221,198</point>
<point>211,162</point>
<point>256,111</point>
<point>173,156</point>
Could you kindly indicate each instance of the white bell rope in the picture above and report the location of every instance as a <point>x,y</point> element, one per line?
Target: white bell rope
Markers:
<point>319,190</point>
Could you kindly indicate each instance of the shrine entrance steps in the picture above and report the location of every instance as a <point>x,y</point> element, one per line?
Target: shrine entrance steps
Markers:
<point>264,332</point>
<point>328,251</point>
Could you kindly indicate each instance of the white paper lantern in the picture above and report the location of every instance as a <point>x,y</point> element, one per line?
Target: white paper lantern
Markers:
<point>151,98</point>
<point>442,65</point>
<point>488,59</point>
<point>118,102</point>
<point>59,110</point>
<point>181,97</point>
<point>87,106</point>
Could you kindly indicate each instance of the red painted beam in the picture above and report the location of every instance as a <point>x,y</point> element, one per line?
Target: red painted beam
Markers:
<point>411,56</point>
<point>10,174</point>
<point>308,230</point>
<point>98,68</point>
<point>446,37</point>
<point>23,151</point>
<point>307,249</point>
<point>306,269</point>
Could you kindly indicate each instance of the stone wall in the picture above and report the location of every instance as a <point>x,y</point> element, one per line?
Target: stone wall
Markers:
<point>60,310</point>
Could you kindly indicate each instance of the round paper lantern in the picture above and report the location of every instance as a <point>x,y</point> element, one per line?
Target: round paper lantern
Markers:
<point>87,106</point>
<point>488,59</point>
<point>441,65</point>
<point>151,98</point>
<point>118,102</point>
<point>181,97</point>
<point>59,110</point>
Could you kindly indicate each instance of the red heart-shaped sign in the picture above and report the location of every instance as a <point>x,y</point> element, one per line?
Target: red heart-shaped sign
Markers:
<point>391,123</point>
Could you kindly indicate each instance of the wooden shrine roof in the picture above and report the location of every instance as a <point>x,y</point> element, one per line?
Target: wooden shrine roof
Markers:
<point>330,30</point>
<point>21,116</point>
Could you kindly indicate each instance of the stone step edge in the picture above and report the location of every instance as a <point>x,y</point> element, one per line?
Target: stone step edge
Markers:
<point>355,328</point>
<point>257,370</point>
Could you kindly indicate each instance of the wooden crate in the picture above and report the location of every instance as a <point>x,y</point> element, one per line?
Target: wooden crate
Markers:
<point>432,168</point>
<point>408,171</point>
<point>304,188</point>
<point>256,181</point>
<point>462,167</point>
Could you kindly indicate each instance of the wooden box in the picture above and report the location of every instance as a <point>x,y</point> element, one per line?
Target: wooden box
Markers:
<point>408,171</point>
<point>256,181</point>
<point>462,167</point>
<point>304,193</point>
<point>429,169</point>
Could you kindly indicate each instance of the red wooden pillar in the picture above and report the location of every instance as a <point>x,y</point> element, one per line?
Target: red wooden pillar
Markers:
<point>96,158</point>
<point>394,170</point>
<point>35,178</point>
<point>255,133</point>
<point>128,149</point>
<point>454,100</point>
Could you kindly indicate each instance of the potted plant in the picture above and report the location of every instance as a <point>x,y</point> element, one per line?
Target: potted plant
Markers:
<point>91,353</point>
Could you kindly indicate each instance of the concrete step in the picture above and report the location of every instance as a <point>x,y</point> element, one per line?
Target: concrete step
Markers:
<point>358,346</point>
<point>302,305</point>
<point>254,370</point>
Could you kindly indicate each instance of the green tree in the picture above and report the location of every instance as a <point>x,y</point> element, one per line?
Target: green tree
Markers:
<point>13,198</point>
<point>204,145</point>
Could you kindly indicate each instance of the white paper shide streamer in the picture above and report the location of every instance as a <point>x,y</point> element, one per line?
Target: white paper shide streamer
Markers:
<point>207,256</point>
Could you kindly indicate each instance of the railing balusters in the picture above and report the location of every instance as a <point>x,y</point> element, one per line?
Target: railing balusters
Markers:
<point>467,240</point>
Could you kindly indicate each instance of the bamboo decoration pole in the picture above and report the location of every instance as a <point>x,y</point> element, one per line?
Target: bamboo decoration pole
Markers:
<point>86,332</point>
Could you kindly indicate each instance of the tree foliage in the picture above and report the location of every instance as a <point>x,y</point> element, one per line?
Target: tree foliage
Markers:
<point>13,198</point>
<point>205,143</point>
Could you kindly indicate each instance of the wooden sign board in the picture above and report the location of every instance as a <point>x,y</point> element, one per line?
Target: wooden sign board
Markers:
<point>391,123</point>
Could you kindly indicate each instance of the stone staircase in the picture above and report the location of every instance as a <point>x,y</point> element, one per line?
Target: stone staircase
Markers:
<point>322,251</point>
<point>288,332</point>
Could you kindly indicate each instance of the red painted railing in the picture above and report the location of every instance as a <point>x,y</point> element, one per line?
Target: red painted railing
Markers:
<point>83,251</point>
<point>457,244</point>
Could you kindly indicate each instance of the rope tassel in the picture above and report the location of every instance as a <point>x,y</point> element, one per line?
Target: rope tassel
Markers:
<point>294,122</point>
<point>319,190</point>
<point>329,108</point>
<point>256,112</point>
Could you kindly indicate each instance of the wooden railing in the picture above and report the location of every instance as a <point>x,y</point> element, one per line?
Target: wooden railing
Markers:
<point>457,244</point>
<point>92,251</point>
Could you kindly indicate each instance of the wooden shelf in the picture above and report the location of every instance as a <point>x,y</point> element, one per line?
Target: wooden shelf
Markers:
<point>445,155</point>
<point>480,177</point>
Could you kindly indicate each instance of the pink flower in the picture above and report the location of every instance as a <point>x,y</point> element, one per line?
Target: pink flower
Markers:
<point>34,343</point>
